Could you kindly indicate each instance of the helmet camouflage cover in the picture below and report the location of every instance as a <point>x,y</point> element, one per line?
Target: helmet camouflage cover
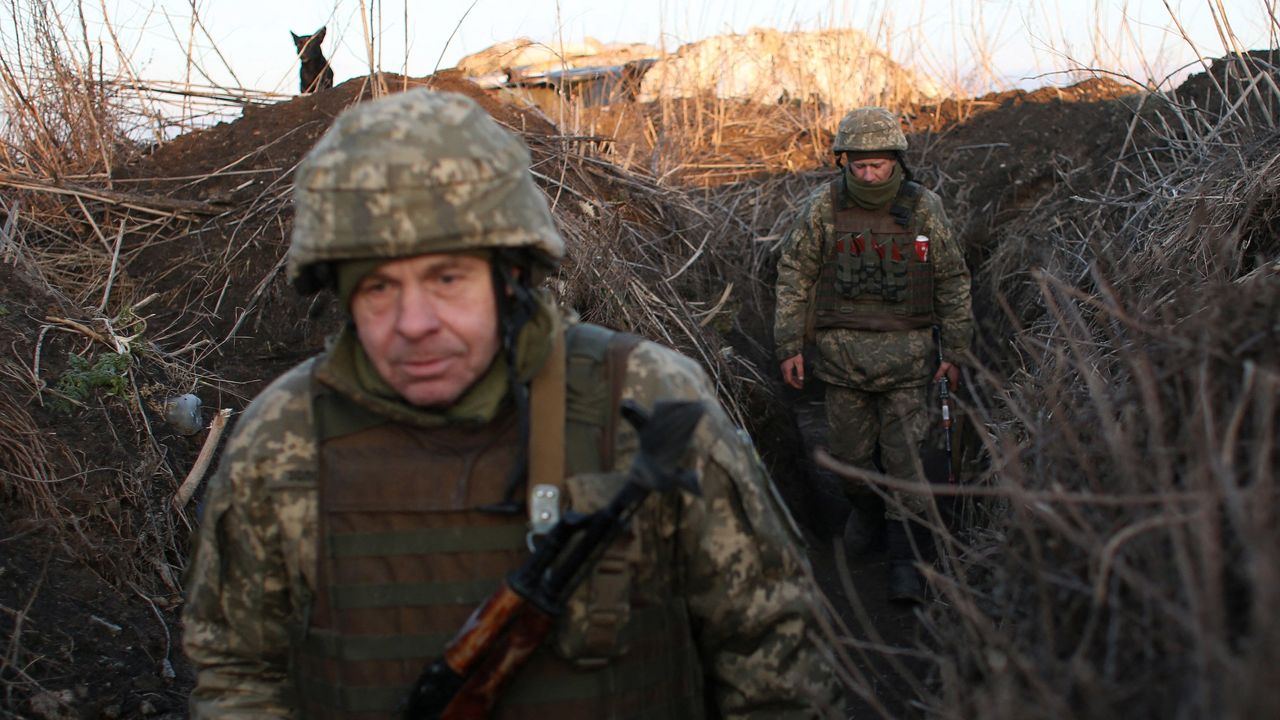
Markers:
<point>416,172</point>
<point>869,129</point>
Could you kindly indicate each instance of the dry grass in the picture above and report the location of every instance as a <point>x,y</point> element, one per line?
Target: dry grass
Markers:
<point>651,259</point>
<point>711,142</point>
<point>1130,407</point>
<point>67,124</point>
<point>30,476</point>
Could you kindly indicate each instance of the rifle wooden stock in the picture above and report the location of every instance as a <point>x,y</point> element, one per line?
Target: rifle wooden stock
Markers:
<point>493,644</point>
<point>504,633</point>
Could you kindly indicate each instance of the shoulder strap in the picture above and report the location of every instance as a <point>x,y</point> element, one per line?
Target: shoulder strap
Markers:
<point>615,362</point>
<point>546,419</point>
<point>904,205</point>
<point>837,193</point>
<point>597,377</point>
<point>584,359</point>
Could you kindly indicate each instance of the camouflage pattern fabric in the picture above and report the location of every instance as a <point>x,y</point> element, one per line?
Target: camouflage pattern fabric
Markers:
<point>412,173</point>
<point>871,361</point>
<point>899,419</point>
<point>869,129</point>
<point>894,366</point>
<point>744,579</point>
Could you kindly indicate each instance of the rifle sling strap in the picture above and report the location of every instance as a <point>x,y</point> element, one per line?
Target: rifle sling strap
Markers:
<point>547,418</point>
<point>597,357</point>
<point>610,586</point>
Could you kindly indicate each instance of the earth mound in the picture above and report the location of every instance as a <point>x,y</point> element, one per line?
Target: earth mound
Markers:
<point>837,67</point>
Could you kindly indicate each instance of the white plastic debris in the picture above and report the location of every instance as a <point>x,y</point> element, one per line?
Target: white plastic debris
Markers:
<point>183,413</point>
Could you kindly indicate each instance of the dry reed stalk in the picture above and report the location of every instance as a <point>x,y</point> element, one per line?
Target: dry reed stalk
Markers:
<point>1141,367</point>
<point>167,208</point>
<point>658,285</point>
<point>68,120</point>
<point>220,95</point>
<point>27,468</point>
<point>201,466</point>
<point>378,86</point>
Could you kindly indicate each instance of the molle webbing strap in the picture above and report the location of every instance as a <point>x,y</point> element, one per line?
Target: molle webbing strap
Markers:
<point>428,540</point>
<point>871,278</point>
<point>546,419</point>
<point>609,585</point>
<point>657,679</point>
<point>597,362</point>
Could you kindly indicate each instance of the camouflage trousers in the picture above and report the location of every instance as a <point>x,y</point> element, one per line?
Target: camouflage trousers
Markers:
<point>897,420</point>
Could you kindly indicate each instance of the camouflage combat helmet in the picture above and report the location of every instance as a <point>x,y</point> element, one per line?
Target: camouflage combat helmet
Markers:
<point>869,129</point>
<point>416,172</point>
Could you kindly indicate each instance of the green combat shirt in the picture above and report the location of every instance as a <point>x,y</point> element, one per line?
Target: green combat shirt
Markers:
<point>743,577</point>
<point>868,360</point>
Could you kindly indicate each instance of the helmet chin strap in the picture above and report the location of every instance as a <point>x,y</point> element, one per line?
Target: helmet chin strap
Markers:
<point>516,306</point>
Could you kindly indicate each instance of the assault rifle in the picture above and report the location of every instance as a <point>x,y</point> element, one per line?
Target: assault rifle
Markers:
<point>504,630</point>
<point>944,399</point>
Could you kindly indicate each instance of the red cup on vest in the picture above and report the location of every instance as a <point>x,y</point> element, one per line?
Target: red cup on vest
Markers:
<point>922,248</point>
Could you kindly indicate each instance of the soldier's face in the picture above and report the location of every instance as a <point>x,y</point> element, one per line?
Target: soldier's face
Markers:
<point>873,170</point>
<point>429,324</point>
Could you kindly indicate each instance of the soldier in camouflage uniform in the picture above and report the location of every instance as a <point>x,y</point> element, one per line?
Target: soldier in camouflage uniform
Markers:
<point>369,498</point>
<point>868,269</point>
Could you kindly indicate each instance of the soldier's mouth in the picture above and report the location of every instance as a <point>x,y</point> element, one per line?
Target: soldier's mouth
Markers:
<point>425,367</point>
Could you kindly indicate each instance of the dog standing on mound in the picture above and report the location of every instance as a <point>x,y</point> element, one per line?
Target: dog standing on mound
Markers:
<point>315,73</point>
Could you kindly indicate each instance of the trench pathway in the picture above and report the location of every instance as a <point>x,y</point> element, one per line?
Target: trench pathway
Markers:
<point>883,634</point>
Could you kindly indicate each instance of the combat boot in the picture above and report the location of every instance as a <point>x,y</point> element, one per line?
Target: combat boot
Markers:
<point>906,584</point>
<point>864,527</point>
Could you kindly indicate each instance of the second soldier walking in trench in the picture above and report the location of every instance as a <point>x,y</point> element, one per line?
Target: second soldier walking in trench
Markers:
<point>870,268</point>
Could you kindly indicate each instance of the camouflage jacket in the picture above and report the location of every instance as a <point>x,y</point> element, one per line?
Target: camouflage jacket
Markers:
<point>866,360</point>
<point>745,579</point>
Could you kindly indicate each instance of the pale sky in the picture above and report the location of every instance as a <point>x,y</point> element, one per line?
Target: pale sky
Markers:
<point>246,43</point>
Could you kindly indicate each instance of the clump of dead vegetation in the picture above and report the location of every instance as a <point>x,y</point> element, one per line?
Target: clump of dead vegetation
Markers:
<point>1130,407</point>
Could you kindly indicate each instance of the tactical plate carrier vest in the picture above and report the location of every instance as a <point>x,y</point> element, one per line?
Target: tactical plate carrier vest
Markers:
<point>878,273</point>
<point>408,552</point>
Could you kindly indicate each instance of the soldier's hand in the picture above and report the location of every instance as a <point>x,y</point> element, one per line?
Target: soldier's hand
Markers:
<point>793,371</point>
<point>952,372</point>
